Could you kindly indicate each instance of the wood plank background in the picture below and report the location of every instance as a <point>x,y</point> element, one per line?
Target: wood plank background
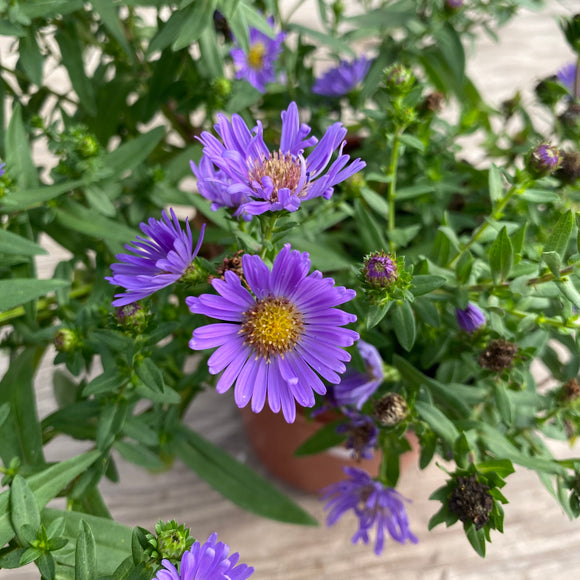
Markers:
<point>539,541</point>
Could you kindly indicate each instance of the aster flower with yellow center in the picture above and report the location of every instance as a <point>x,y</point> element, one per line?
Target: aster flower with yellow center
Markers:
<point>279,334</point>
<point>257,65</point>
<point>241,171</point>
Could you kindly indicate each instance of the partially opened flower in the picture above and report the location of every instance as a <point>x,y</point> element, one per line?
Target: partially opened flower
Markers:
<point>210,561</point>
<point>375,506</point>
<point>2,170</point>
<point>342,79</point>
<point>356,387</point>
<point>156,261</point>
<point>567,76</point>
<point>278,334</point>
<point>257,65</point>
<point>240,171</point>
<point>471,318</point>
<point>362,434</point>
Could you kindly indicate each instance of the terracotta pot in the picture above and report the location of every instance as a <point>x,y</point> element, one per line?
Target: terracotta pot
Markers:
<point>275,441</point>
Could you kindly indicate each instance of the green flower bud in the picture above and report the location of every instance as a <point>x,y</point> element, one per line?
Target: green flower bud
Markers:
<point>399,79</point>
<point>543,160</point>
<point>133,317</point>
<point>66,340</point>
<point>171,542</point>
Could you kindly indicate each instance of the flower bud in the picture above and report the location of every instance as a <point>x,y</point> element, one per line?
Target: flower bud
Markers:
<point>543,160</point>
<point>471,501</point>
<point>229,264</point>
<point>453,5</point>
<point>362,435</point>
<point>470,319</point>
<point>380,269</point>
<point>171,543</point>
<point>133,317</point>
<point>399,79</point>
<point>390,410</point>
<point>498,355</point>
<point>569,170</point>
<point>66,340</point>
<point>569,391</point>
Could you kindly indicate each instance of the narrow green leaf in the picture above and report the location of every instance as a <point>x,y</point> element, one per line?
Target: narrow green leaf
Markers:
<point>560,236</point>
<point>438,421</point>
<point>46,485</point>
<point>501,255</point>
<point>476,538</point>
<point>17,291</point>
<point>553,261</point>
<point>110,423</point>
<point>86,554</point>
<point>333,42</point>
<point>108,13</point>
<point>46,566</point>
<point>18,154</point>
<point>376,313</point>
<point>30,57</point>
<point>423,284</point>
<point>375,201</point>
<point>412,142</point>
<point>236,481</point>
<point>503,402</point>
<point>568,289</point>
<point>404,324</point>
<point>38,195</point>
<point>23,509</point>
<point>107,382</point>
<point>209,47</point>
<point>196,19</point>
<point>139,455</point>
<point>495,184</point>
<point>324,438</point>
<point>13,244</point>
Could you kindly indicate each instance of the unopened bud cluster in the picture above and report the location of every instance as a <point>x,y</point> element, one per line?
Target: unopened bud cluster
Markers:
<point>471,501</point>
<point>170,543</point>
<point>133,317</point>
<point>543,160</point>
<point>66,340</point>
<point>498,355</point>
<point>383,277</point>
<point>390,410</point>
<point>399,80</point>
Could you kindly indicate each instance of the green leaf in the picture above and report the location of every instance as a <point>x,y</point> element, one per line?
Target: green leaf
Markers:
<point>333,42</point>
<point>324,438</point>
<point>23,509</point>
<point>46,566</point>
<point>33,197</point>
<point>376,201</point>
<point>376,313</point>
<point>236,481</point>
<point>152,379</point>
<point>423,284</point>
<point>112,539</point>
<point>540,196</point>
<point>20,434</point>
<point>85,554</point>
<point>18,154</point>
<point>495,184</point>
<point>413,142</point>
<point>30,58</point>
<point>71,51</point>
<point>476,538</point>
<point>384,18</point>
<point>567,288</point>
<point>503,402</point>
<point>17,291</point>
<point>139,455</point>
<point>404,324</point>
<point>111,421</point>
<point>108,13</point>
<point>553,261</point>
<point>46,485</point>
<point>107,382</point>
<point>501,256</point>
<point>209,47</point>
<point>13,244</point>
<point>195,19</point>
<point>438,421</point>
<point>560,236</point>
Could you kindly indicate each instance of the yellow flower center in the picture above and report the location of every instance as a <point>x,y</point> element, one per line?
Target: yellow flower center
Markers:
<point>256,55</point>
<point>272,326</point>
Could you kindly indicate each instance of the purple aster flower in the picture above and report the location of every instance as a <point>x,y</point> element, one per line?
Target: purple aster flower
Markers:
<point>543,159</point>
<point>209,561</point>
<point>158,261</point>
<point>362,434</point>
<point>277,334</point>
<point>240,171</point>
<point>471,318</point>
<point>340,80</point>
<point>375,506</point>
<point>257,65</point>
<point>356,387</point>
<point>567,76</point>
<point>2,170</point>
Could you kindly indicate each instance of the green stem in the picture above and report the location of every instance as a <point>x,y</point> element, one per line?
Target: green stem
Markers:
<point>544,320</point>
<point>392,192</point>
<point>268,227</point>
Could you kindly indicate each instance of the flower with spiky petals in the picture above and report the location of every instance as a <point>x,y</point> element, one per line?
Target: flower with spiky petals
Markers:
<point>156,261</point>
<point>209,561</point>
<point>471,318</point>
<point>375,505</point>
<point>356,387</point>
<point>277,334</point>
<point>240,171</point>
<point>567,76</point>
<point>257,65</point>
<point>342,79</point>
<point>362,434</point>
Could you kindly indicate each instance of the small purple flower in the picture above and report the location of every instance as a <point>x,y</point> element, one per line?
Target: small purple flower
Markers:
<point>277,334</point>
<point>209,561</point>
<point>375,506</point>
<point>340,80</point>
<point>356,387</point>
<point>257,65</point>
<point>471,318</point>
<point>543,159</point>
<point>2,170</point>
<point>240,171</point>
<point>158,261</point>
<point>567,76</point>
<point>362,434</point>
<point>380,270</point>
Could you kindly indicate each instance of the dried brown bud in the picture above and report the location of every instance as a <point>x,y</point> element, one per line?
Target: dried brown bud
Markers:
<point>569,170</point>
<point>390,410</point>
<point>433,102</point>
<point>498,355</point>
<point>569,391</point>
<point>232,264</point>
<point>471,501</point>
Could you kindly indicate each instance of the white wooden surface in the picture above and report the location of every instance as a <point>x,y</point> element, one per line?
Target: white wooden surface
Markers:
<point>539,542</point>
